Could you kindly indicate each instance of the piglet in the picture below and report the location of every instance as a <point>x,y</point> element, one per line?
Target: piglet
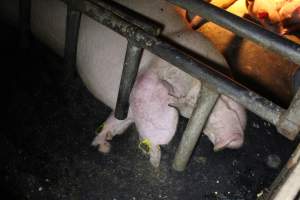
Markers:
<point>279,16</point>
<point>161,90</point>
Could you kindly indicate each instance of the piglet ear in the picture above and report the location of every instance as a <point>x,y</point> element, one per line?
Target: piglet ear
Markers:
<point>169,87</point>
<point>232,141</point>
<point>179,103</point>
<point>183,108</point>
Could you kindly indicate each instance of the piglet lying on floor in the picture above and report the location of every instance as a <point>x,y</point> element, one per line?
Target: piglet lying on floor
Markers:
<point>160,90</point>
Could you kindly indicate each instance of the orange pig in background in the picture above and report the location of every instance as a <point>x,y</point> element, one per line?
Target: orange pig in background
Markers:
<point>280,16</point>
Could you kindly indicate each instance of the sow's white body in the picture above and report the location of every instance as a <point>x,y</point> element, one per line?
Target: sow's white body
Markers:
<point>100,59</point>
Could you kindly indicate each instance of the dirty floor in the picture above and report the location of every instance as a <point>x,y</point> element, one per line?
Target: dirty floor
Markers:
<point>48,123</point>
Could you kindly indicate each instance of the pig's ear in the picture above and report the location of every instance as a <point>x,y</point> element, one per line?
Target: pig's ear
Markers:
<point>169,87</point>
<point>183,108</point>
<point>235,141</point>
<point>179,103</point>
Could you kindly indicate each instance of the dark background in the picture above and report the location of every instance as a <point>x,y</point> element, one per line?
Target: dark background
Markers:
<point>48,123</point>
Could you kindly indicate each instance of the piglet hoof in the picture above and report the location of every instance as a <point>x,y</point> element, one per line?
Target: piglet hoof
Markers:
<point>155,155</point>
<point>109,136</point>
<point>234,142</point>
<point>103,145</point>
<point>154,162</point>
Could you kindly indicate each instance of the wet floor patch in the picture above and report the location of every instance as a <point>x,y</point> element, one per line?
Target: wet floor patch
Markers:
<point>49,123</point>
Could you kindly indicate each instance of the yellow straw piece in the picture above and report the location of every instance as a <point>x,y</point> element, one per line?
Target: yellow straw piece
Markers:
<point>145,145</point>
<point>99,128</point>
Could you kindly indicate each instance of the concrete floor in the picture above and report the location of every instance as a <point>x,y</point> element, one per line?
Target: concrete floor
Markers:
<point>48,125</point>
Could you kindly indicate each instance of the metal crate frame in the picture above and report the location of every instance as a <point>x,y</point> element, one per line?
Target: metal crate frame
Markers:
<point>142,33</point>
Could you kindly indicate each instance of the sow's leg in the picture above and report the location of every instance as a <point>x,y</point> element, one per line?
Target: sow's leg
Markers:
<point>111,127</point>
<point>155,120</point>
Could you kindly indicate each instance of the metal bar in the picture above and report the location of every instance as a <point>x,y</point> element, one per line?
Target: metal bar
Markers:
<point>140,21</point>
<point>71,38</point>
<point>289,122</point>
<point>24,20</point>
<point>250,100</point>
<point>206,101</point>
<point>130,16</point>
<point>286,185</point>
<point>243,28</point>
<point>130,70</point>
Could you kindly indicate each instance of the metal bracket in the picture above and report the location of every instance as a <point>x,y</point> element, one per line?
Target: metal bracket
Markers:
<point>289,121</point>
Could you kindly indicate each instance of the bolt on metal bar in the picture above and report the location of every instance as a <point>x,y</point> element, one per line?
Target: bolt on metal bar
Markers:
<point>222,84</point>
<point>207,99</point>
<point>24,23</point>
<point>71,37</point>
<point>243,28</point>
<point>129,73</point>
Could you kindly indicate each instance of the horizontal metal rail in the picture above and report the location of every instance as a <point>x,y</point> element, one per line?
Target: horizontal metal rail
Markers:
<point>130,16</point>
<point>138,20</point>
<point>253,102</point>
<point>243,28</point>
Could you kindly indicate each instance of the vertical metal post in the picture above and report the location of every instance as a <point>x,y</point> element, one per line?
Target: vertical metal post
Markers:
<point>130,70</point>
<point>206,101</point>
<point>71,37</point>
<point>24,23</point>
<point>289,122</point>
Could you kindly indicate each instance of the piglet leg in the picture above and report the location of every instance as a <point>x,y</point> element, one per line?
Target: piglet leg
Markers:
<point>155,155</point>
<point>111,127</point>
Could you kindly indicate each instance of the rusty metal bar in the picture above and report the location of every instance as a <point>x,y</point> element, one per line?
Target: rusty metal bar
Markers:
<point>71,37</point>
<point>24,23</point>
<point>287,184</point>
<point>126,14</point>
<point>172,54</point>
<point>130,70</point>
<point>207,99</point>
<point>138,20</point>
<point>243,28</point>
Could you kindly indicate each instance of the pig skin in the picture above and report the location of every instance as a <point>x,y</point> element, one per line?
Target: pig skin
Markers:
<point>162,84</point>
<point>280,16</point>
<point>99,61</point>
